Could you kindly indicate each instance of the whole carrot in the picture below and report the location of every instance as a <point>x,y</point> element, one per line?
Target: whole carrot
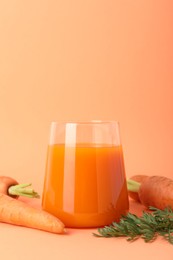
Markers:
<point>156,191</point>
<point>16,212</point>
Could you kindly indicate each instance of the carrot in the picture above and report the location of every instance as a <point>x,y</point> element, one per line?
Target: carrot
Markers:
<point>13,211</point>
<point>16,212</point>
<point>6,183</point>
<point>11,187</point>
<point>138,178</point>
<point>156,191</point>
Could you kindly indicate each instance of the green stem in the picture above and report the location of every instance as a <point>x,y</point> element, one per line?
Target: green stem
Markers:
<point>133,185</point>
<point>20,190</point>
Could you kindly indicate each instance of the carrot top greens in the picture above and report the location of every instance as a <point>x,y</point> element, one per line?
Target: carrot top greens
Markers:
<point>148,226</point>
<point>23,190</point>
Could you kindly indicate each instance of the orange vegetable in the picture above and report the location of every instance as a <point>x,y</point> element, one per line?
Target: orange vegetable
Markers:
<point>134,194</point>
<point>16,212</point>
<point>156,191</point>
<point>6,183</point>
<point>10,187</point>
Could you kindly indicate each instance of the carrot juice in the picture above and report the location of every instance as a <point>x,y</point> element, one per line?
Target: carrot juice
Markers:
<point>85,185</point>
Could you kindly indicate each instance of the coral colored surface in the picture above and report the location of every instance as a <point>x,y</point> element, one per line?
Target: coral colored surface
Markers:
<point>20,243</point>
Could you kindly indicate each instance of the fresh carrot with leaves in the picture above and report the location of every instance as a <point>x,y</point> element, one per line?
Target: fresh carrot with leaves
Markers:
<point>156,191</point>
<point>16,212</point>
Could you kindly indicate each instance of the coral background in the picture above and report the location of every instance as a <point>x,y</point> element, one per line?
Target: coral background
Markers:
<point>83,60</point>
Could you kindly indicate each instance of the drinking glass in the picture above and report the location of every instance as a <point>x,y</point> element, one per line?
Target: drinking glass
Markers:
<point>85,182</point>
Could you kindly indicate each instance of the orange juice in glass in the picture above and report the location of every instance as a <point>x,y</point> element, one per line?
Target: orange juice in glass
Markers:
<point>85,182</point>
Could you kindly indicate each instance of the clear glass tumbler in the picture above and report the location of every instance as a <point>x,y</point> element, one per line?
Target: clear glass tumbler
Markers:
<point>85,182</point>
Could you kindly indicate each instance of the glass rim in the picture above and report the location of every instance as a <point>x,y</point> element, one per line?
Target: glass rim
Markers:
<point>86,122</point>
